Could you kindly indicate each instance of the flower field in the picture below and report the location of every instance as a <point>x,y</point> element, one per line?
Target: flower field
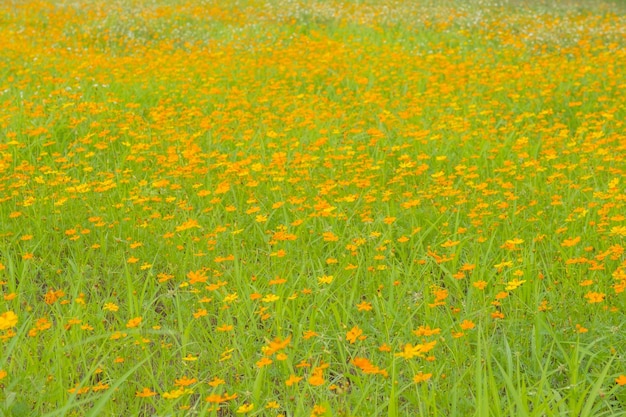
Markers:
<point>312,208</point>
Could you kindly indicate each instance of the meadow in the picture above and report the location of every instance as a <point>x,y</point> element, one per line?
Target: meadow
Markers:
<point>312,208</point>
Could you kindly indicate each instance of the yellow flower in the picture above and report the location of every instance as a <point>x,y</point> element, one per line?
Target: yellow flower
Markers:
<point>325,279</point>
<point>511,285</point>
<point>270,298</point>
<point>172,395</point>
<point>272,405</point>
<point>8,320</point>
<point>411,351</point>
<point>244,408</point>
<point>110,307</point>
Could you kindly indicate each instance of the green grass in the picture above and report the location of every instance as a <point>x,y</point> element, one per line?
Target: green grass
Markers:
<point>293,208</point>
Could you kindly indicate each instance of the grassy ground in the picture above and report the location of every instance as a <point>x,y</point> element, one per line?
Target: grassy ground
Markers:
<point>327,208</point>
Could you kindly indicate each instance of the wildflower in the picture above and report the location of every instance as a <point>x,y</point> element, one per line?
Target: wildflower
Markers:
<point>197,276</point>
<point>318,410</point>
<point>384,348</point>
<point>317,378</point>
<point>497,315</point>
<point>570,242</point>
<point>503,264</point>
<point>145,393</point>
<point>512,285</point>
<point>479,284</point>
<point>276,345</point>
<point>411,351</point>
<point>8,320</point>
<point>293,379</point>
<point>353,334</point>
<point>184,381</point>
<point>270,298</point>
<point>421,377</point>
<point>245,408</point>
<point>367,367</point>
<point>621,380</point>
<point>426,331</point>
<point>594,297</point>
<point>188,225</point>
<point>110,307</point>
<point>325,279</point>
<point>272,405</point>
<point>214,398</point>
<point>364,306</point>
<point>264,361</point>
<point>309,334</point>
<point>467,325</point>
<point>201,312</point>
<point>134,322</point>
<point>544,306</point>
<point>618,231</point>
<point>172,395</point>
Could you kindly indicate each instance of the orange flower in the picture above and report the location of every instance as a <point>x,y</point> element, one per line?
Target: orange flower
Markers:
<point>421,377</point>
<point>479,284</point>
<point>309,334</point>
<point>146,392</point>
<point>467,325</point>
<point>184,381</point>
<point>317,377</point>
<point>353,334</point>
<point>364,306</point>
<point>570,242</point>
<point>594,297</point>
<point>292,380</point>
<point>264,361</point>
<point>132,323</point>
<point>426,331</point>
<point>581,329</point>
<point>197,276</point>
